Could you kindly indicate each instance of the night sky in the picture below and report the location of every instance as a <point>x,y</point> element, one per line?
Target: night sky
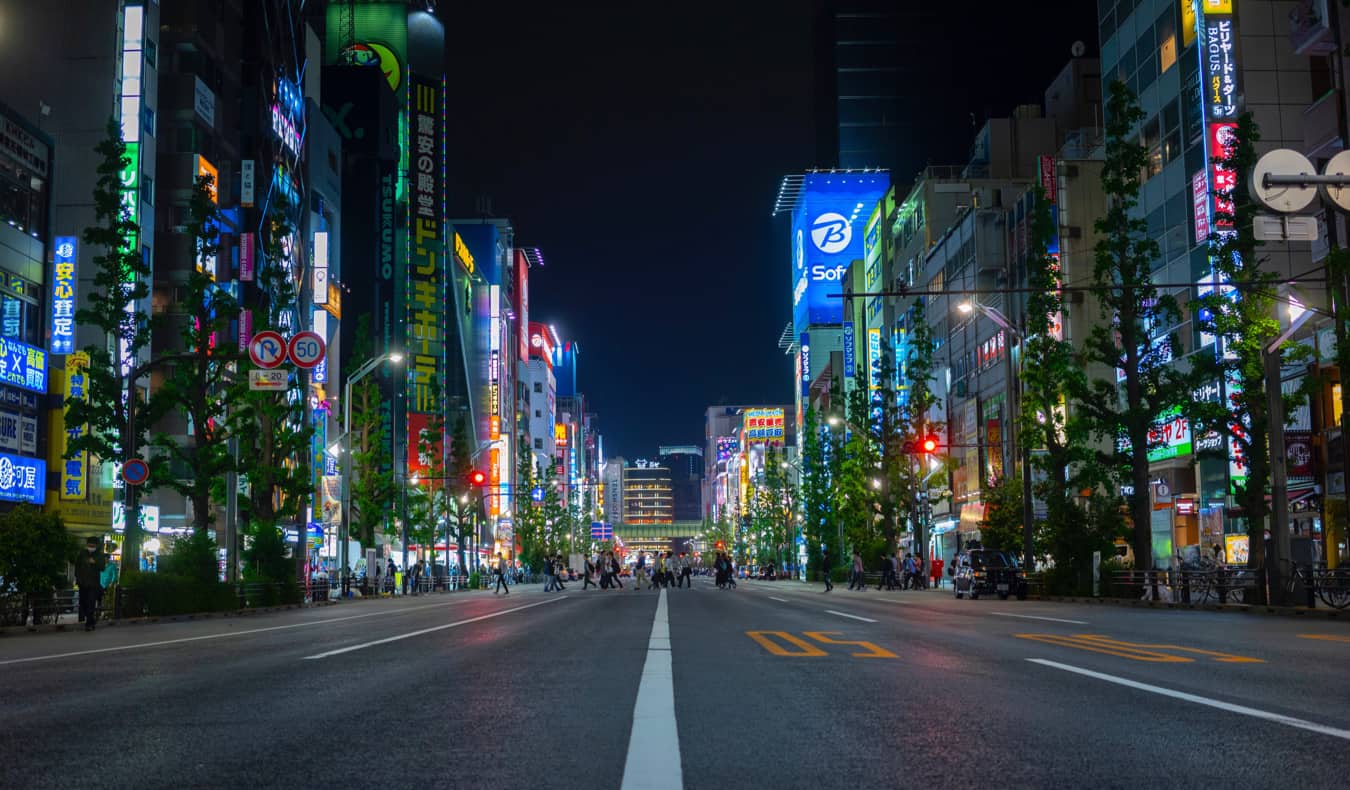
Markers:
<point>641,151</point>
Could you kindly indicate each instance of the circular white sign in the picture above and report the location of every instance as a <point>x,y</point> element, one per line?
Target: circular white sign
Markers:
<point>1284,198</point>
<point>831,233</point>
<point>306,349</point>
<point>267,350</point>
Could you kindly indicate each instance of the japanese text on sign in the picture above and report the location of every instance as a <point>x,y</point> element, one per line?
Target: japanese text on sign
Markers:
<point>23,479</point>
<point>22,365</point>
<point>63,295</point>
<point>74,470</point>
<point>1220,68</point>
<point>426,294</point>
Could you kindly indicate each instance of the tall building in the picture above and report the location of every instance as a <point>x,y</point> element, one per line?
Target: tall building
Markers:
<point>648,497</point>
<point>866,81</point>
<point>686,478</point>
<point>1196,68</point>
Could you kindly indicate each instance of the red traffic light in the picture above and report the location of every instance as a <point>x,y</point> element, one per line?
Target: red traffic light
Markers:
<point>477,477</point>
<point>720,545</point>
<point>929,444</point>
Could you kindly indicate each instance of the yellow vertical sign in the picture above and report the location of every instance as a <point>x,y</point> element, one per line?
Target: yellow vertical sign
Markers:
<point>1188,23</point>
<point>75,469</point>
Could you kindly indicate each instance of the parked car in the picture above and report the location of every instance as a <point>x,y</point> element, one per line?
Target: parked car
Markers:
<point>988,572</point>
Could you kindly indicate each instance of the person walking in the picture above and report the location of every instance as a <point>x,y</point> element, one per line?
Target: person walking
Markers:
<point>686,572</point>
<point>589,571</point>
<point>501,575</point>
<point>615,570</point>
<point>558,572</point>
<point>549,578</point>
<point>826,565</point>
<point>671,565</point>
<point>640,570</point>
<point>89,564</point>
<point>857,580</point>
<point>911,572</point>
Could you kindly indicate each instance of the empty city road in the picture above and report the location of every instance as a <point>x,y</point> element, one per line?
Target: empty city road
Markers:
<point>772,684</point>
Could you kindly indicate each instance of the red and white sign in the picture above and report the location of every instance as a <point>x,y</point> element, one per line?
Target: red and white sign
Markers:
<point>306,349</point>
<point>1222,140</point>
<point>1200,201</point>
<point>1048,178</point>
<point>135,472</point>
<point>267,350</point>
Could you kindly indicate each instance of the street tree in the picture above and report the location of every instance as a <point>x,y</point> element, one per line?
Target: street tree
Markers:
<point>193,397</point>
<point>818,503</point>
<point>121,278</point>
<point>270,430</point>
<point>913,478</point>
<point>1001,527</point>
<point>529,516</point>
<point>1240,314</point>
<point>1134,340</point>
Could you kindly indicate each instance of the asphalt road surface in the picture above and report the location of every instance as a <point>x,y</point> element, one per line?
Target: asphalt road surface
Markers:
<point>775,684</point>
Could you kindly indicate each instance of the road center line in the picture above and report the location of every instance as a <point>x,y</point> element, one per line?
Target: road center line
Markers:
<point>1278,718</point>
<point>220,635</point>
<point>1035,617</point>
<point>339,651</point>
<point>850,616</point>
<point>654,746</point>
<point>776,598</point>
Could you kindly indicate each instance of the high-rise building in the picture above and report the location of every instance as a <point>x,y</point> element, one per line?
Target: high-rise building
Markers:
<point>647,495</point>
<point>866,85</point>
<point>686,478</point>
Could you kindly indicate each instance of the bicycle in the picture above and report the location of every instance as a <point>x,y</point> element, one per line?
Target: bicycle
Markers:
<point>1332,585</point>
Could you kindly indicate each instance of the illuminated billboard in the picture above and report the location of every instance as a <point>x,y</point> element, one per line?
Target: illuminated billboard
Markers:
<point>827,234</point>
<point>427,272</point>
<point>763,425</point>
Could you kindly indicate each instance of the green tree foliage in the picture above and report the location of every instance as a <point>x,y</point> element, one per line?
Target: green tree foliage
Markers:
<point>264,555</point>
<point>372,478</point>
<point>270,427</point>
<point>818,503</point>
<point>554,513</point>
<point>1001,528</point>
<point>120,277</point>
<point>529,517</point>
<point>429,499</point>
<point>34,551</point>
<point>1245,323</point>
<point>912,478</point>
<point>1135,334</point>
<point>192,556</point>
<point>196,383</point>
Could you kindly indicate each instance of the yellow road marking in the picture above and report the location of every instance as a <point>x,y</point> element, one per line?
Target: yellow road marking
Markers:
<point>1225,658</point>
<point>873,651</point>
<point>1325,637</point>
<point>807,649</point>
<point>1096,647</point>
<point>1098,643</point>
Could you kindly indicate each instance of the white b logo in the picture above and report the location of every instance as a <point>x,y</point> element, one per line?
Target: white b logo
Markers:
<point>831,233</point>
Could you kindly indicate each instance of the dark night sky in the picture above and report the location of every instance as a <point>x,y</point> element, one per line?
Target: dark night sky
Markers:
<point>641,152</point>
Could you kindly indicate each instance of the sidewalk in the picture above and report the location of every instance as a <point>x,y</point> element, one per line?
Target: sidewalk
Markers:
<point>1287,611</point>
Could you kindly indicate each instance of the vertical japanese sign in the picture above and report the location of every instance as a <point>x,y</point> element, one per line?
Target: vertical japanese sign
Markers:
<point>426,274</point>
<point>318,454</point>
<point>74,470</point>
<point>63,296</point>
<point>245,327</point>
<point>247,176</point>
<point>874,358</point>
<point>806,364</point>
<point>319,288</point>
<point>1221,75</point>
<point>319,323</point>
<point>850,351</point>
<point>1200,203</point>
<point>246,243</point>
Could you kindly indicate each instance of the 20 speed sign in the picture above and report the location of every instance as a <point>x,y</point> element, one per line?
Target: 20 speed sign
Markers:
<point>306,349</point>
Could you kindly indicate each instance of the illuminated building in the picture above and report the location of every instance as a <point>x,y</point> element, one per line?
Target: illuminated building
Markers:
<point>648,497</point>
<point>1276,65</point>
<point>686,480</point>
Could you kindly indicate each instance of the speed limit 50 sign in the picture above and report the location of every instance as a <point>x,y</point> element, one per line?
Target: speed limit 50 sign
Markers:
<point>306,350</point>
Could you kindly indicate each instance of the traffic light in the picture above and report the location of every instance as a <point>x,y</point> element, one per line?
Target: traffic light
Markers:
<point>478,477</point>
<point>721,545</point>
<point>926,445</point>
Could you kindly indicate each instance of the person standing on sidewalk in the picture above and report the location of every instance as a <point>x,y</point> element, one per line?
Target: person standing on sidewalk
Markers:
<point>825,568</point>
<point>89,564</point>
<point>501,575</point>
<point>858,580</point>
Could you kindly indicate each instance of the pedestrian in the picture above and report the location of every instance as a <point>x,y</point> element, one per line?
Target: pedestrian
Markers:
<point>686,572</point>
<point>589,572</point>
<point>856,579</point>
<point>616,571</point>
<point>89,564</point>
<point>731,572</point>
<point>558,568</point>
<point>549,578</point>
<point>885,582</point>
<point>911,572</point>
<point>825,567</point>
<point>640,570</point>
<point>501,570</point>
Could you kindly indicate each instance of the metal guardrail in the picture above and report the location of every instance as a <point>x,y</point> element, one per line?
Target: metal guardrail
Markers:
<point>1215,585</point>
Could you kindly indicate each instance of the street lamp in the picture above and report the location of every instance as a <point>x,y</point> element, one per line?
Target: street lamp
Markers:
<point>1014,394</point>
<point>396,358</point>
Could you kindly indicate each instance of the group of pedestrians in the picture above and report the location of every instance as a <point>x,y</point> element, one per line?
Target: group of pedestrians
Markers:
<point>662,569</point>
<point>896,574</point>
<point>724,571</point>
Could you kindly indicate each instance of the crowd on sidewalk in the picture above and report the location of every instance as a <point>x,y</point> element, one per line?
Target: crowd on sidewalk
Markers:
<point>894,573</point>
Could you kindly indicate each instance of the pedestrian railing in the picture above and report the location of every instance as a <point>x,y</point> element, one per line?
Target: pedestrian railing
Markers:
<point>1212,585</point>
<point>17,609</point>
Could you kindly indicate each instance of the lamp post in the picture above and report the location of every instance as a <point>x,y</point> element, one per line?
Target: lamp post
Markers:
<point>1014,395</point>
<point>394,357</point>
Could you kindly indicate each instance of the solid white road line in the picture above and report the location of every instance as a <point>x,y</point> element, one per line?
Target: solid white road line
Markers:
<point>852,616</point>
<point>221,635</point>
<point>1278,718</point>
<point>433,629</point>
<point>654,746</point>
<point>1034,617</point>
<point>776,598</point>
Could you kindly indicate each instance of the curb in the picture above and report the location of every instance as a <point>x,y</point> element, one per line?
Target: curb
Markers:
<point>1281,611</point>
<point>174,618</point>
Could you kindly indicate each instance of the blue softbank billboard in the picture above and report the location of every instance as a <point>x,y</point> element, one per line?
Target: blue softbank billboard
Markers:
<point>827,234</point>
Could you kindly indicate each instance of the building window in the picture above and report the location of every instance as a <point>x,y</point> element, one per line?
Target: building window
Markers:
<point>538,413</point>
<point>1167,41</point>
<point>538,444</point>
<point>538,387</point>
